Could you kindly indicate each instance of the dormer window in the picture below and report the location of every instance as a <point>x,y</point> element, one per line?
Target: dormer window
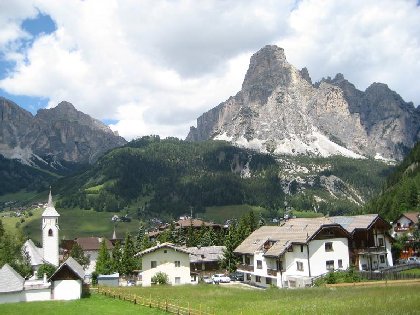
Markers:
<point>50,232</point>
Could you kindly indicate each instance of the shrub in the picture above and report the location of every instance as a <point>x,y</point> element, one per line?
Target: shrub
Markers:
<point>160,278</point>
<point>45,268</point>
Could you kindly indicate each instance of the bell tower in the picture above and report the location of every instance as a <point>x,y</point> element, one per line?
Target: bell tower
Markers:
<point>50,236</point>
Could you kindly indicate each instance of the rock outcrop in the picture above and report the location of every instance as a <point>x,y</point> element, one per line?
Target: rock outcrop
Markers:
<point>58,134</point>
<point>279,110</point>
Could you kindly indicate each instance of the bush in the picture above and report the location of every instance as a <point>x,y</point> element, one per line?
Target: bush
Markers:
<point>45,268</point>
<point>160,278</point>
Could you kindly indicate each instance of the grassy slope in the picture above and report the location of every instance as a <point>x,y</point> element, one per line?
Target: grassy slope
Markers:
<point>350,300</point>
<point>96,304</point>
<point>77,223</point>
<point>222,213</point>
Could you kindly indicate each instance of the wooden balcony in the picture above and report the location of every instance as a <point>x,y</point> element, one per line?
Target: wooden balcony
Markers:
<point>244,267</point>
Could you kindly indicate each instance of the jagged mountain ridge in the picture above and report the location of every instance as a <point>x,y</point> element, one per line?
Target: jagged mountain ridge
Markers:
<point>280,110</point>
<point>53,136</point>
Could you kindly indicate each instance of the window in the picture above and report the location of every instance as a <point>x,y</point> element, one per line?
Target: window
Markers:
<point>259,264</point>
<point>247,260</point>
<point>329,247</point>
<point>382,259</point>
<point>280,265</point>
<point>299,266</point>
<point>50,232</point>
<point>330,265</point>
<point>257,279</point>
<point>340,263</point>
<point>380,241</point>
<point>153,264</point>
<point>177,280</point>
<point>301,248</point>
<point>177,263</point>
<point>268,281</point>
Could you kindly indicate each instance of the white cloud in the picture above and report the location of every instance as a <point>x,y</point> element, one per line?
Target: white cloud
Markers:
<point>154,66</point>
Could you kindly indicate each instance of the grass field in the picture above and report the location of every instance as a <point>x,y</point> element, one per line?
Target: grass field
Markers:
<point>222,213</point>
<point>96,304</point>
<point>234,300</point>
<point>78,223</point>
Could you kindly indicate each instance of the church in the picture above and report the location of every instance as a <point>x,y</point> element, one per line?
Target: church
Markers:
<point>65,284</point>
<point>49,253</point>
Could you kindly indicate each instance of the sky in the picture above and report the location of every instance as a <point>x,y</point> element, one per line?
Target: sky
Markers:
<point>153,66</point>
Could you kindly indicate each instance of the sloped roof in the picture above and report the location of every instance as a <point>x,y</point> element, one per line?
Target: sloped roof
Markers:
<point>10,280</point>
<point>73,265</point>
<point>413,216</point>
<point>205,253</point>
<point>163,245</point>
<point>93,243</point>
<point>184,223</point>
<point>294,231</point>
<point>351,223</point>
<point>35,253</point>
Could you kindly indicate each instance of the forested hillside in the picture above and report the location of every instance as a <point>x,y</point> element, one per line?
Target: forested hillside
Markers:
<point>401,192</point>
<point>16,176</point>
<point>158,177</point>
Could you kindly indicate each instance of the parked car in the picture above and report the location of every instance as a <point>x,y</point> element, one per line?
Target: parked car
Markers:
<point>220,278</point>
<point>413,259</point>
<point>131,283</point>
<point>207,279</point>
<point>237,276</point>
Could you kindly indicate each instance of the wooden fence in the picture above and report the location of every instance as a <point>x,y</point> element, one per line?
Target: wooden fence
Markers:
<point>164,305</point>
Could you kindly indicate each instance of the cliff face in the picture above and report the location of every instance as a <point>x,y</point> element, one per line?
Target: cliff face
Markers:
<point>59,134</point>
<point>279,110</point>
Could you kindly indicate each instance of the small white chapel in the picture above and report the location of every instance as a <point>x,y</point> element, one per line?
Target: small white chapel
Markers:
<point>65,284</point>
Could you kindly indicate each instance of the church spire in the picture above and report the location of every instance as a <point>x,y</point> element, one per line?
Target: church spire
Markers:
<point>50,202</point>
<point>114,235</point>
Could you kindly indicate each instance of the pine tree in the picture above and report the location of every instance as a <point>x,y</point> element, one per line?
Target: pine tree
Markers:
<point>116,256</point>
<point>78,255</point>
<point>230,260</point>
<point>128,261</point>
<point>103,263</point>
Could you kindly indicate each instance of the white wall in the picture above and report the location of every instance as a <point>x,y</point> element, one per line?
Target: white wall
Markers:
<point>37,295</point>
<point>92,264</point>
<point>166,263</point>
<point>318,255</point>
<point>12,297</point>
<point>67,289</point>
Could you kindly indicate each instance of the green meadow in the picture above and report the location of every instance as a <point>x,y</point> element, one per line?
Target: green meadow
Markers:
<point>236,299</point>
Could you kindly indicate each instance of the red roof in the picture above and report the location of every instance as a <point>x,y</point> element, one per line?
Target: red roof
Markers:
<point>93,243</point>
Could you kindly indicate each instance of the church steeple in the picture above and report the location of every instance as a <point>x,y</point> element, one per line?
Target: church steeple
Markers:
<point>50,229</point>
<point>50,202</point>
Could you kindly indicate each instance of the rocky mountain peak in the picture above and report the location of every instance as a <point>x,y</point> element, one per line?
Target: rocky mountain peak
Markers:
<point>279,110</point>
<point>268,68</point>
<point>62,132</point>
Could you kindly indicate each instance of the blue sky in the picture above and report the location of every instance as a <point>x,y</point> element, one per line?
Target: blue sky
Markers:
<point>152,67</point>
<point>41,24</point>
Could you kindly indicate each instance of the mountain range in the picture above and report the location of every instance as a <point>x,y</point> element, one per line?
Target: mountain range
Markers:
<point>279,110</point>
<point>53,138</point>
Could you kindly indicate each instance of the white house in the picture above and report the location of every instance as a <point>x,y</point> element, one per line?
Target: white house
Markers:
<point>67,281</point>
<point>405,224</point>
<point>169,259</point>
<point>292,254</point>
<point>369,243</point>
<point>91,246</point>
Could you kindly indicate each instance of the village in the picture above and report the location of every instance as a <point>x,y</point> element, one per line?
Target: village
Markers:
<point>292,254</point>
